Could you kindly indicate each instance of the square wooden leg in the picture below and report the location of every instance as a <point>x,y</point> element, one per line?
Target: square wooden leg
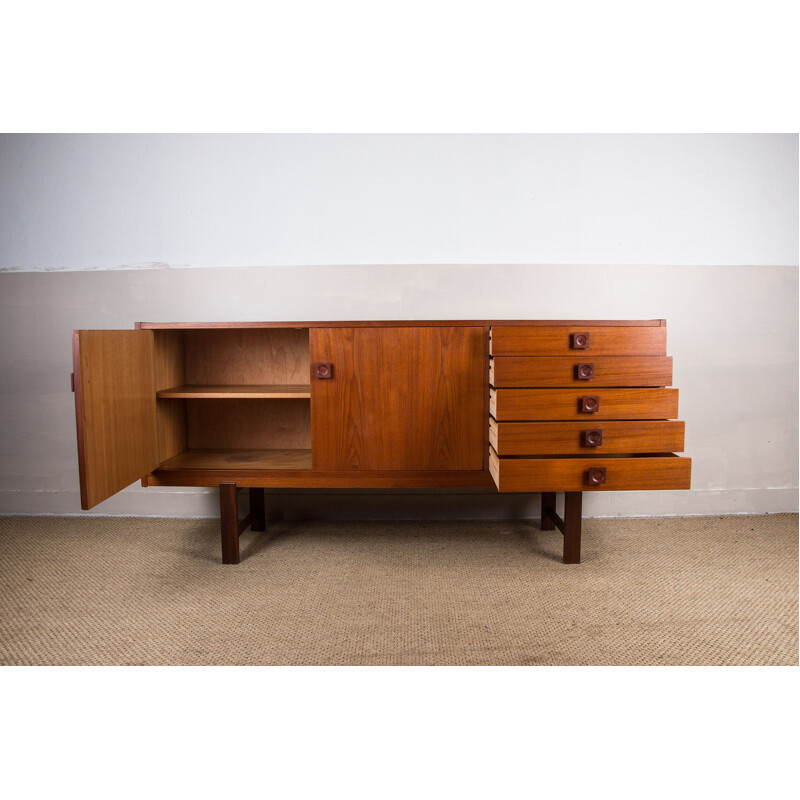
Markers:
<point>258,517</point>
<point>573,502</point>
<point>229,523</point>
<point>548,509</point>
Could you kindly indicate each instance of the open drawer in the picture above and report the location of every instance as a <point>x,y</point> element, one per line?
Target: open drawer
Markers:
<point>607,473</point>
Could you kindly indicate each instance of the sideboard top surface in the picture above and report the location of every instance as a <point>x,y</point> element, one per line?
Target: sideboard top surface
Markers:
<point>401,323</point>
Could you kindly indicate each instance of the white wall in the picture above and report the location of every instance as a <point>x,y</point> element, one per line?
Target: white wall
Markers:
<point>79,202</point>
<point>69,204</point>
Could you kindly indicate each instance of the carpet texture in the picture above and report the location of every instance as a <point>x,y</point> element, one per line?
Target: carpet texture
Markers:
<point>117,591</point>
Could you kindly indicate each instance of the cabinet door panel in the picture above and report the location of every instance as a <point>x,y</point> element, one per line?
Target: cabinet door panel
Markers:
<point>115,409</point>
<point>398,398</point>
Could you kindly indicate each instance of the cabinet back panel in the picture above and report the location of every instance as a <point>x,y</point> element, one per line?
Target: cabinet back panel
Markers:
<point>247,357</point>
<point>248,424</point>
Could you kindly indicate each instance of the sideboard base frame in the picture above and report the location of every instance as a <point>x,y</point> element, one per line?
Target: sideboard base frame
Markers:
<point>231,527</point>
<point>570,526</point>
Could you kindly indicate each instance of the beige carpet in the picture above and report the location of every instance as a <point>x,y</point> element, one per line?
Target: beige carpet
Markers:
<point>689,590</point>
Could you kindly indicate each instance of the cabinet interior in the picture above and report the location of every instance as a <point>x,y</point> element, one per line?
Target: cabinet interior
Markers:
<point>233,398</point>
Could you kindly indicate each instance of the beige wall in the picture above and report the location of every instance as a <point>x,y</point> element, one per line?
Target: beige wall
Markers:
<point>731,330</point>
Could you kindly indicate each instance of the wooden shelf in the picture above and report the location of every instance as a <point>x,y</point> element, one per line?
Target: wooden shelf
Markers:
<point>239,459</point>
<point>267,391</point>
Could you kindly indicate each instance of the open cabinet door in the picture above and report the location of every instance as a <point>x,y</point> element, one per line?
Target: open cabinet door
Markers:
<point>115,410</point>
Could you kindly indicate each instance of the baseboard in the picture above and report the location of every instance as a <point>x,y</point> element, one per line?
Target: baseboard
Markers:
<point>339,505</point>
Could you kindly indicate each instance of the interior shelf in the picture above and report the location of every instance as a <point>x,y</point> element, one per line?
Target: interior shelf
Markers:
<point>265,391</point>
<point>239,459</point>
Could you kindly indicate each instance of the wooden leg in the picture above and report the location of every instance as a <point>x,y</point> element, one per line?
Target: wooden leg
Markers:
<point>572,527</point>
<point>548,509</point>
<point>229,523</point>
<point>258,519</point>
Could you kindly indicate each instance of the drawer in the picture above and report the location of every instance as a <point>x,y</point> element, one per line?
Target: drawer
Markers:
<point>560,340</point>
<point>576,370</point>
<point>621,473</point>
<point>595,404</point>
<point>585,438</point>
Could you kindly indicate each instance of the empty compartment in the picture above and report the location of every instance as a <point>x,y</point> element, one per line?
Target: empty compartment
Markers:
<point>258,434</point>
<point>228,362</point>
<point>233,398</point>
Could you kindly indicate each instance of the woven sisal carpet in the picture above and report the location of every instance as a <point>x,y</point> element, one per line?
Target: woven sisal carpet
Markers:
<point>689,590</point>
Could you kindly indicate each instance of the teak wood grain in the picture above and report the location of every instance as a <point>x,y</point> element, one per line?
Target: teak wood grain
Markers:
<point>557,340</point>
<point>406,398</point>
<point>270,391</point>
<point>570,474</point>
<point>169,369</point>
<point>243,424</point>
<point>115,408</point>
<point>390,405</point>
<point>239,357</point>
<point>240,459</point>
<point>316,479</point>
<point>557,438</point>
<point>169,362</point>
<point>565,404</point>
<point>402,323</point>
<point>526,371</point>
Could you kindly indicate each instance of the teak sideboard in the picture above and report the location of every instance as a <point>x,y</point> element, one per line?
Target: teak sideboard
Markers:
<point>520,406</point>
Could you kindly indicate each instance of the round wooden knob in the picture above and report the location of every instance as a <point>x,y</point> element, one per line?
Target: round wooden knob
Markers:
<point>596,475</point>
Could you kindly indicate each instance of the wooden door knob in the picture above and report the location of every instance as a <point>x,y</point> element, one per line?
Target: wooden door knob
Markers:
<point>596,475</point>
<point>323,370</point>
<point>589,404</point>
<point>579,341</point>
<point>593,437</point>
<point>584,371</point>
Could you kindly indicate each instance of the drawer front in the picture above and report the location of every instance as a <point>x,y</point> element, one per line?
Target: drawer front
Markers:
<point>521,371</point>
<point>565,340</point>
<point>577,474</point>
<point>588,404</point>
<point>589,438</point>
